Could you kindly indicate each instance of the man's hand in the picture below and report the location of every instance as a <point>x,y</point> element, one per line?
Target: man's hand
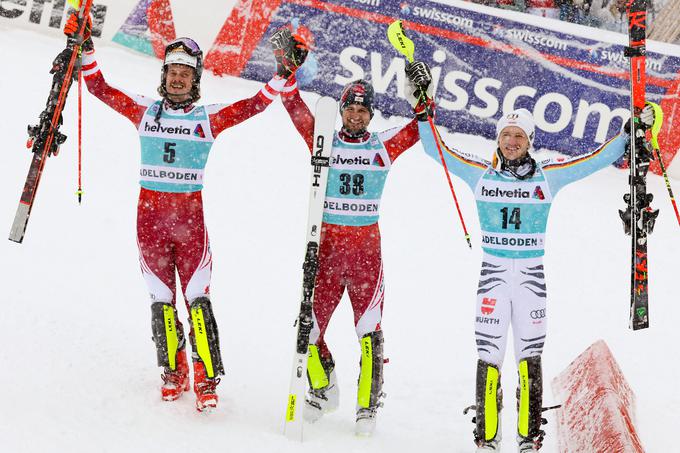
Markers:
<point>290,50</point>
<point>71,30</point>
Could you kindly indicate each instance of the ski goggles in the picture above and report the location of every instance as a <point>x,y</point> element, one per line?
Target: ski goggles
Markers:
<point>188,45</point>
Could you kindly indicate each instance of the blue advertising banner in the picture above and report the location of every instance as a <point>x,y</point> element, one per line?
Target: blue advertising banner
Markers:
<point>482,65</point>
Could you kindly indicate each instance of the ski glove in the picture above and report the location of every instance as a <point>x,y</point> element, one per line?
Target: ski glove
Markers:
<point>71,30</point>
<point>647,119</point>
<point>419,90</point>
<point>647,116</point>
<point>418,72</point>
<point>290,50</point>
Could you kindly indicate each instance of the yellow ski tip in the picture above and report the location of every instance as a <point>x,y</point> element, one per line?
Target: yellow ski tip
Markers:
<point>658,122</point>
<point>74,3</point>
<point>395,33</point>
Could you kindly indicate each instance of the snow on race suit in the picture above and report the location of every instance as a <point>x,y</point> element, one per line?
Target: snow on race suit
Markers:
<point>349,254</point>
<point>171,232</point>
<point>513,215</point>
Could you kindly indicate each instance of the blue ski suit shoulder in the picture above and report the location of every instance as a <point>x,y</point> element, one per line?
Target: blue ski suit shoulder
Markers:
<point>513,213</point>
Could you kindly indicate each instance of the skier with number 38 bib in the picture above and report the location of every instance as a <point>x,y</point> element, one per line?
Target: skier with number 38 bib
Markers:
<point>176,136</point>
<point>350,255</point>
<point>514,194</point>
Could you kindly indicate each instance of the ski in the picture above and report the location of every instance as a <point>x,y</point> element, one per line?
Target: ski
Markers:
<point>45,138</point>
<point>638,218</point>
<point>324,131</point>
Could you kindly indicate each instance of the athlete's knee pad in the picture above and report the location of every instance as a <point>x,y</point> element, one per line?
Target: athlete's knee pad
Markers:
<point>489,401</point>
<point>205,341</point>
<point>371,370</point>
<point>318,368</point>
<point>167,333</point>
<point>529,397</point>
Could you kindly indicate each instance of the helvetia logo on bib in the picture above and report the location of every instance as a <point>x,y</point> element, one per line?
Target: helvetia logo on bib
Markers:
<point>538,193</point>
<point>378,161</point>
<point>405,9</point>
<point>198,132</point>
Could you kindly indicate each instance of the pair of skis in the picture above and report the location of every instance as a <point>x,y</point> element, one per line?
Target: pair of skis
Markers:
<point>45,138</point>
<point>638,217</point>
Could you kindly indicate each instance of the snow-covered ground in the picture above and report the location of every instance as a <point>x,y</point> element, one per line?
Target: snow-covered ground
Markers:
<point>77,363</point>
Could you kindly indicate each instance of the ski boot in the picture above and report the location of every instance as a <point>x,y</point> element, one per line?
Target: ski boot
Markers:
<point>530,405</point>
<point>205,389</point>
<point>489,403</point>
<point>370,383</point>
<point>176,382</point>
<point>206,354</point>
<point>168,335</point>
<point>324,395</point>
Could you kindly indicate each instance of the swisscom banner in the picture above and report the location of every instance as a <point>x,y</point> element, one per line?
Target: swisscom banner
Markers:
<point>482,65</point>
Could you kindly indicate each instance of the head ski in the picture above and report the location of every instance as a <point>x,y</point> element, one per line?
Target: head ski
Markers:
<point>324,131</point>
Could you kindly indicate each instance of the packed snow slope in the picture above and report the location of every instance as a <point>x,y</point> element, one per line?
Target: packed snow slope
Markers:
<point>78,364</point>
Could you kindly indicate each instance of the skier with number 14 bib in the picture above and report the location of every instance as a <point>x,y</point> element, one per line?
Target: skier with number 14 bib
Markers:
<point>514,194</point>
<point>176,136</point>
<point>349,255</point>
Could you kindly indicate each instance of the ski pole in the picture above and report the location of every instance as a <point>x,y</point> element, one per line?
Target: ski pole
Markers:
<point>79,192</point>
<point>656,128</point>
<point>668,184</point>
<point>395,33</point>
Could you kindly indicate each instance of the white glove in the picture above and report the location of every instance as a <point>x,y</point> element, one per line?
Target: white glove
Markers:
<point>413,92</point>
<point>647,116</point>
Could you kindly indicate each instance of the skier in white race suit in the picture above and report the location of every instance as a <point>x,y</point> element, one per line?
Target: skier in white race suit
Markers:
<point>514,193</point>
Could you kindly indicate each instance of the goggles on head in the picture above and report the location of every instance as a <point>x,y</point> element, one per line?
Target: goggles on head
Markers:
<point>187,44</point>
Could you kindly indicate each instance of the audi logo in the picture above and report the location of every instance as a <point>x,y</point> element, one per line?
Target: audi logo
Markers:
<point>537,314</point>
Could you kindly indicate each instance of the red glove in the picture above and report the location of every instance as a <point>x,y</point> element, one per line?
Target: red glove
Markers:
<point>425,109</point>
<point>72,26</point>
<point>290,50</point>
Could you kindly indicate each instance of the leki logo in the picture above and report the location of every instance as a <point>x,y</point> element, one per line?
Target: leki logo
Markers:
<point>488,305</point>
<point>538,193</point>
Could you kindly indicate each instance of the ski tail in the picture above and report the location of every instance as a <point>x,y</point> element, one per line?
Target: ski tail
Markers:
<point>45,138</point>
<point>324,132</point>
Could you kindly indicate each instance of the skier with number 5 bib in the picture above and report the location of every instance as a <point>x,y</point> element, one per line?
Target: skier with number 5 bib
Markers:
<point>514,193</point>
<point>349,256</point>
<point>176,136</point>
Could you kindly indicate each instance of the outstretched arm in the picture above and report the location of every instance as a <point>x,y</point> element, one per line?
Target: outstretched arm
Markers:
<point>298,111</point>
<point>231,115</point>
<point>561,173</point>
<point>469,168</point>
<point>398,140</point>
<point>131,106</point>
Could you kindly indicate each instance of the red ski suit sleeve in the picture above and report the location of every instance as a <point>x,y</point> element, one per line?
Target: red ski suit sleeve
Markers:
<point>395,142</point>
<point>133,106</point>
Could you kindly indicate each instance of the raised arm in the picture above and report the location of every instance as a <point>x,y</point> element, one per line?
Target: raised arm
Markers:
<point>225,116</point>
<point>561,173</point>
<point>131,106</point>
<point>298,111</point>
<point>468,167</point>
<point>397,140</point>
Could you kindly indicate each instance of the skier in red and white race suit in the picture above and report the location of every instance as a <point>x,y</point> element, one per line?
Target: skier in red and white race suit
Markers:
<point>349,255</point>
<point>176,136</point>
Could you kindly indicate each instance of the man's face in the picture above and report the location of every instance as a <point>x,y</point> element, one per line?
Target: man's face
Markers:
<point>178,81</point>
<point>513,143</point>
<point>355,118</point>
